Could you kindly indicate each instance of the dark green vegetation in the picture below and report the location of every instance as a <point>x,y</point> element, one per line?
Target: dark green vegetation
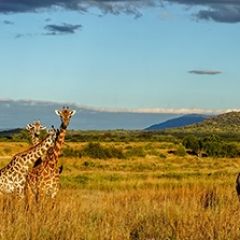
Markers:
<point>211,146</point>
<point>94,150</point>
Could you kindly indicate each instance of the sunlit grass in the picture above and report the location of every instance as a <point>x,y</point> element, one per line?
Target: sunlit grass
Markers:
<point>148,197</point>
<point>184,212</point>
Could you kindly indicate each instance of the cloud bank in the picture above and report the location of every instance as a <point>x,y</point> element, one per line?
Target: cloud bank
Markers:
<point>227,11</point>
<point>205,72</point>
<point>106,6</point>
<point>158,110</point>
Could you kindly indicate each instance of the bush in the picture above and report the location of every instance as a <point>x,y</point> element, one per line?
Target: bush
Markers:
<point>231,149</point>
<point>94,150</point>
<point>221,149</point>
<point>213,146</point>
<point>136,152</point>
<point>213,149</point>
<point>70,152</point>
<point>193,143</point>
<point>180,151</point>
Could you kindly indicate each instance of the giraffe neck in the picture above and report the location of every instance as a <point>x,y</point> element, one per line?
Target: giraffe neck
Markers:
<point>29,157</point>
<point>60,140</point>
<point>34,139</point>
<point>55,151</point>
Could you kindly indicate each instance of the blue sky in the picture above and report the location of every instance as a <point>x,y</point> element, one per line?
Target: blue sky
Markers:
<point>108,56</point>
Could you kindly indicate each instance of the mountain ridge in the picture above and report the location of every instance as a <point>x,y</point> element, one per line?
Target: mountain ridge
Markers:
<point>223,122</point>
<point>182,121</point>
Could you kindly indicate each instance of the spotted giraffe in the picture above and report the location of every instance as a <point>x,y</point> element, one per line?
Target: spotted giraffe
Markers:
<point>13,176</point>
<point>34,130</point>
<point>44,180</point>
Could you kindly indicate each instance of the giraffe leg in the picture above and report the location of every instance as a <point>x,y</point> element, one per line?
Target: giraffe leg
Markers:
<point>28,198</point>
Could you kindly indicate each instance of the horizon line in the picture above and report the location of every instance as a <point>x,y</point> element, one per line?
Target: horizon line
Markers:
<point>153,110</point>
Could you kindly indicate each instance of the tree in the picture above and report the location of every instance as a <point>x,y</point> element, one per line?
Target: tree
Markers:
<point>193,143</point>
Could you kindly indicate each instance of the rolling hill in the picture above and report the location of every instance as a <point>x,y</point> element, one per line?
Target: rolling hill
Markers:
<point>179,122</point>
<point>226,123</point>
<point>225,120</point>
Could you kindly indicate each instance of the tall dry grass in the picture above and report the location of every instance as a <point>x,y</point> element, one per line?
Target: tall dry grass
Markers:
<point>141,198</point>
<point>187,212</point>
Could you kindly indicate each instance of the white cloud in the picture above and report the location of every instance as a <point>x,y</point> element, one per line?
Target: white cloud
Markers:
<point>159,110</point>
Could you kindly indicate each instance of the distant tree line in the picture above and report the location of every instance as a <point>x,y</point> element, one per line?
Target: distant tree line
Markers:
<point>18,135</point>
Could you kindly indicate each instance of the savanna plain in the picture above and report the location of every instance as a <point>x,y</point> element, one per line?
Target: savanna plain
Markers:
<point>129,189</point>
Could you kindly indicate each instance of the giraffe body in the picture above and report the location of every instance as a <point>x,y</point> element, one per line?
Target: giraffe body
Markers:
<point>13,176</point>
<point>44,179</point>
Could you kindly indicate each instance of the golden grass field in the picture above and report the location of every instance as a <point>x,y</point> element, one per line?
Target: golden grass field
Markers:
<point>159,196</point>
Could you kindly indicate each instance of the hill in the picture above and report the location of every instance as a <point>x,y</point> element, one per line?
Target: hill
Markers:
<point>226,125</point>
<point>224,122</point>
<point>10,132</point>
<point>179,122</point>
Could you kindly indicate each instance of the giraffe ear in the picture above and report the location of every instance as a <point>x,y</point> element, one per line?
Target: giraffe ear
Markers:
<point>42,127</point>
<point>73,112</point>
<point>29,126</point>
<point>57,112</point>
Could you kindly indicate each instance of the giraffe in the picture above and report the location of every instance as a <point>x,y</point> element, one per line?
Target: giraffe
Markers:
<point>13,176</point>
<point>44,180</point>
<point>34,130</point>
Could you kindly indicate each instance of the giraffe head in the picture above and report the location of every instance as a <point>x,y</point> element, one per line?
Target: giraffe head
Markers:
<point>35,128</point>
<point>65,115</point>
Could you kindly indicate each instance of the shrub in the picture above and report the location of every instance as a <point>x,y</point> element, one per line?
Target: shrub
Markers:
<point>221,149</point>
<point>193,143</point>
<point>70,152</point>
<point>136,152</point>
<point>213,149</point>
<point>213,146</point>
<point>94,150</point>
<point>180,151</point>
